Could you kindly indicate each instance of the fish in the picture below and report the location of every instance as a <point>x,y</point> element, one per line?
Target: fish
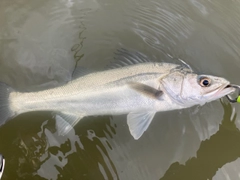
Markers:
<point>2,165</point>
<point>135,86</point>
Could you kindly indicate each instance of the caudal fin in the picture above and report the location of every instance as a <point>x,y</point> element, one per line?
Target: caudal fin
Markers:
<point>5,111</point>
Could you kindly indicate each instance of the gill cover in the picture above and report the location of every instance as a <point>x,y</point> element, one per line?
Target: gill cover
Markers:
<point>172,85</point>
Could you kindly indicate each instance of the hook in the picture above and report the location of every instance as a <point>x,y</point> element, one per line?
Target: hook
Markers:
<point>236,99</point>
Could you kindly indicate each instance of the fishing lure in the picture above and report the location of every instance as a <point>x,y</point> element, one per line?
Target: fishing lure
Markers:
<point>237,99</point>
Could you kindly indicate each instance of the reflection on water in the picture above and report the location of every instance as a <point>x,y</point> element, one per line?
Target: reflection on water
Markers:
<point>228,171</point>
<point>42,153</point>
<point>94,150</point>
<point>220,149</point>
<point>78,47</point>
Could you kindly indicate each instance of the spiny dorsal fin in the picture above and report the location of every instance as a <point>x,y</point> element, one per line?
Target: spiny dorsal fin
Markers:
<point>124,57</point>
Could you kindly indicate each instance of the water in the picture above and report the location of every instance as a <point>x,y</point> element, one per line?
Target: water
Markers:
<point>41,42</point>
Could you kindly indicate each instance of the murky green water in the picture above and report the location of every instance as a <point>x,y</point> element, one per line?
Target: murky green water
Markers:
<point>41,42</point>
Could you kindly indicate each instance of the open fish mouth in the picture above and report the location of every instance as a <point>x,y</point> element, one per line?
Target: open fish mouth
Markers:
<point>229,88</point>
<point>224,90</point>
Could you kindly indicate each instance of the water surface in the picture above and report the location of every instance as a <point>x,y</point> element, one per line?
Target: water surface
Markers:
<point>41,43</point>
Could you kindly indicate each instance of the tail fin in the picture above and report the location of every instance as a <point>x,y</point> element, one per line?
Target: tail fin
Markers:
<point>5,111</point>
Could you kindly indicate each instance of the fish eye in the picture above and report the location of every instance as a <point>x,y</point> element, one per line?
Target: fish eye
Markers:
<point>205,82</point>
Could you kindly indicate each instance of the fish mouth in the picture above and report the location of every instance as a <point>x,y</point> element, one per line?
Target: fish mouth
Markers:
<point>224,90</point>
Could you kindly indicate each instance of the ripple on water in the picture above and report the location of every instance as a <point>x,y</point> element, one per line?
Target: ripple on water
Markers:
<point>42,41</point>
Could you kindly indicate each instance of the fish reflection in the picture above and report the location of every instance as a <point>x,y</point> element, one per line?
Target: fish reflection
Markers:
<point>2,165</point>
<point>228,171</point>
<point>43,154</point>
<point>222,148</point>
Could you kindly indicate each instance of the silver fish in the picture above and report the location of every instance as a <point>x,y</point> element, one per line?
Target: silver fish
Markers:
<point>2,165</point>
<point>139,90</point>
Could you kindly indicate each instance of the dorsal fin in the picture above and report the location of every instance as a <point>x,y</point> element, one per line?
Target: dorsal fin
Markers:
<point>123,57</point>
<point>80,71</point>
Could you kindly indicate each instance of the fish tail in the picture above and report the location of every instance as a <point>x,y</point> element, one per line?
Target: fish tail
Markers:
<point>5,111</point>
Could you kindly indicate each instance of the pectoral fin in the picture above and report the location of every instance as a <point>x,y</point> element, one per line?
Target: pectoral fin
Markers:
<point>138,122</point>
<point>66,121</point>
<point>146,90</point>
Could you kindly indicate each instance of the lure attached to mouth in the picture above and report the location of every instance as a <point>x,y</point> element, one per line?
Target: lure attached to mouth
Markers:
<point>237,99</point>
<point>2,165</point>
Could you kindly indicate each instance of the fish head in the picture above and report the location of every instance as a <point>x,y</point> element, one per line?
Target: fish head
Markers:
<point>190,89</point>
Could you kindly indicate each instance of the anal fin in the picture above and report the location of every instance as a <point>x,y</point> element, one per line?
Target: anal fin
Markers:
<point>66,121</point>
